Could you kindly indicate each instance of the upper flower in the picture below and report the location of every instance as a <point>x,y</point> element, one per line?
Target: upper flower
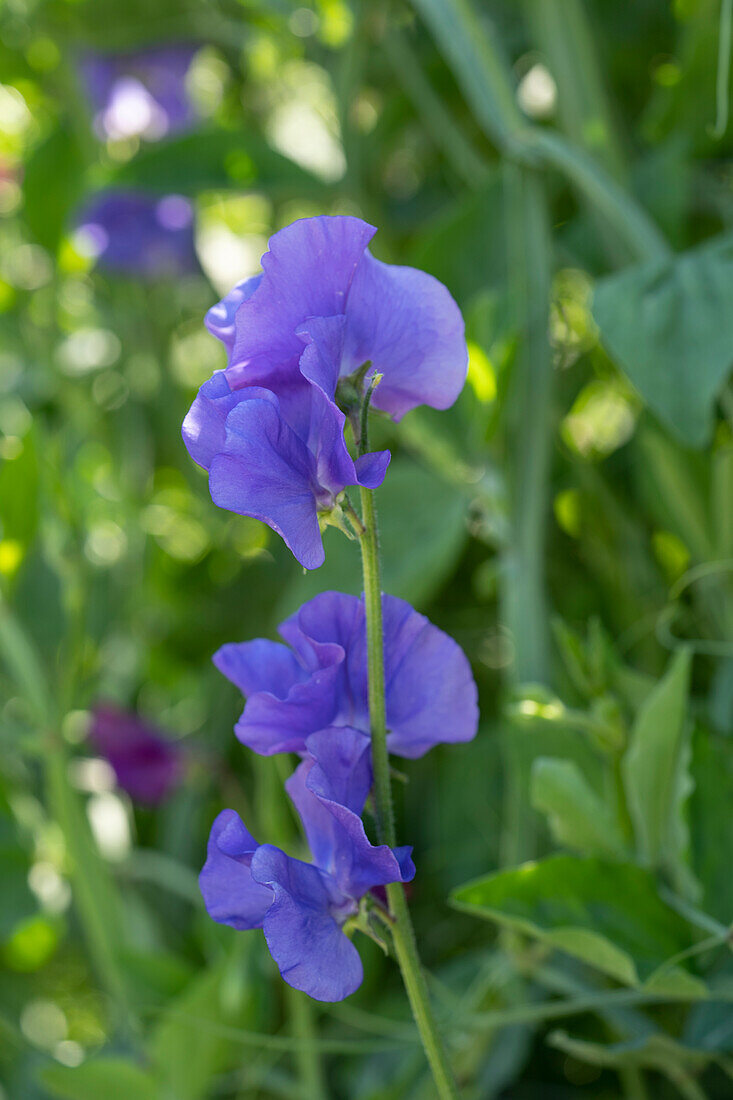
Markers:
<point>320,679</point>
<point>320,287</point>
<point>302,907</point>
<point>268,428</point>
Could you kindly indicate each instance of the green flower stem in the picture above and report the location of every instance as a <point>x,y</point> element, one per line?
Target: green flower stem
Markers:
<point>403,936</point>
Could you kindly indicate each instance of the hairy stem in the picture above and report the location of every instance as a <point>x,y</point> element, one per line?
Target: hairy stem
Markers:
<point>402,933</point>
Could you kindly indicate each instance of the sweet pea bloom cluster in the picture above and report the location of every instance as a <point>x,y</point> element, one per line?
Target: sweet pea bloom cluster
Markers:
<point>306,342</point>
<point>268,428</point>
<point>310,697</point>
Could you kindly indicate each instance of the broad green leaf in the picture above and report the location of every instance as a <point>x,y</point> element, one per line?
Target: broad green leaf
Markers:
<point>669,324</point>
<point>213,160</point>
<point>107,1078</point>
<point>577,816</point>
<point>608,914</point>
<point>656,772</point>
<point>422,531</point>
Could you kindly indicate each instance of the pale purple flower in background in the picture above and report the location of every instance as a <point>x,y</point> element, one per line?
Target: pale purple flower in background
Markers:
<point>134,233</point>
<point>141,93</point>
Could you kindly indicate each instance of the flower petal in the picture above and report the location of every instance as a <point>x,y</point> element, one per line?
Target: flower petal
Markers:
<point>204,427</point>
<point>266,472</point>
<point>320,362</point>
<point>335,833</point>
<point>371,469</point>
<point>342,769</point>
<point>220,318</point>
<point>302,933</point>
<point>230,893</point>
<point>260,665</point>
<point>406,324</point>
<point>285,700</point>
<point>306,273</point>
<point>431,693</point>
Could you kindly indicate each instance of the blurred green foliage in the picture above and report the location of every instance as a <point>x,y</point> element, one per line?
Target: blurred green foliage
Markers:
<point>564,166</point>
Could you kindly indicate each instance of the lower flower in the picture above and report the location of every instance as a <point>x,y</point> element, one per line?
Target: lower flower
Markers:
<point>302,908</point>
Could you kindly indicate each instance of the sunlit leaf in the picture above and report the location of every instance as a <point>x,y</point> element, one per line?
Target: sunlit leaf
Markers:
<point>669,323</point>
<point>578,817</point>
<point>656,770</point>
<point>608,914</point>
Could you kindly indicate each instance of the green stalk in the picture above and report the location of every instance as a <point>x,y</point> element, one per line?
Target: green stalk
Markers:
<point>440,126</point>
<point>564,35</point>
<point>95,893</point>
<point>403,935</point>
<point>485,79</point>
<point>530,423</point>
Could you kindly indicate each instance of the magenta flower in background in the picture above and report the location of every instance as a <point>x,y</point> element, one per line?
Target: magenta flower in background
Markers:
<point>322,308</point>
<point>319,679</point>
<point>133,233</point>
<point>302,907</point>
<point>147,765</point>
<point>141,93</point>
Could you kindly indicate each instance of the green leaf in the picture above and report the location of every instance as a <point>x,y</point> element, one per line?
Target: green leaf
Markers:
<point>111,1078</point>
<point>216,160</point>
<point>608,914</point>
<point>669,324</point>
<point>656,771</point>
<point>422,533</point>
<point>577,817</point>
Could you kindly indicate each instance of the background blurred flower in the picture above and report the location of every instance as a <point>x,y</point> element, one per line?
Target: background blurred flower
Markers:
<point>138,234</point>
<point>147,765</point>
<point>140,94</point>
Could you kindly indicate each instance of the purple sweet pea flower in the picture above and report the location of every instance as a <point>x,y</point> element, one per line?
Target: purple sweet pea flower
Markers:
<point>322,307</point>
<point>321,287</point>
<point>138,234</point>
<point>147,765</point>
<point>141,93</point>
<point>319,679</point>
<point>302,907</point>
